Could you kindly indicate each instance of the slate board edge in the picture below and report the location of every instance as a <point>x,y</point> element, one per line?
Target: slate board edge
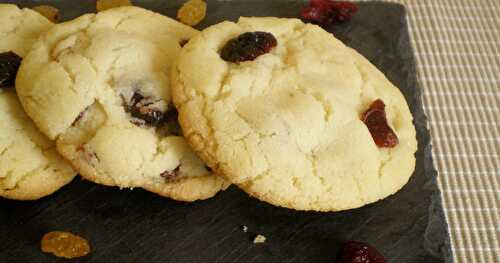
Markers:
<point>435,225</point>
<point>436,210</point>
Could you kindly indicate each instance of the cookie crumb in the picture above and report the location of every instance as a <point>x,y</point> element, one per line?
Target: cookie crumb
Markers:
<point>244,228</point>
<point>49,12</point>
<point>65,245</point>
<point>259,239</point>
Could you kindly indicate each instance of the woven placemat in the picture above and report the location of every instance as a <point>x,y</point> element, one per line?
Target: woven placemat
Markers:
<point>457,48</point>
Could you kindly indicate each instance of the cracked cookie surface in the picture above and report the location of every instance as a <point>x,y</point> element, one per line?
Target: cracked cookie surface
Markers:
<point>286,127</point>
<point>30,167</point>
<point>99,86</point>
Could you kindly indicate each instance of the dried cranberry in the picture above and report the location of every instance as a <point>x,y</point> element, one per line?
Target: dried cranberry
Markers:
<point>9,64</point>
<point>248,46</point>
<point>358,252</point>
<point>327,12</point>
<point>171,175</point>
<point>144,110</point>
<point>376,121</point>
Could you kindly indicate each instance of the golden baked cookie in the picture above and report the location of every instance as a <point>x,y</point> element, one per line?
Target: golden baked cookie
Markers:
<point>99,85</point>
<point>30,167</point>
<point>276,106</point>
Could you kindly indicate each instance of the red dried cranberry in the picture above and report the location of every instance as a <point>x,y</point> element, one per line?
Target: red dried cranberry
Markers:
<point>376,121</point>
<point>248,46</point>
<point>171,175</point>
<point>9,64</point>
<point>358,252</point>
<point>327,12</point>
<point>143,109</point>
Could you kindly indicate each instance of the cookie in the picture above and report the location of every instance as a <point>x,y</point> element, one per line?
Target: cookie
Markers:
<point>30,167</point>
<point>99,86</point>
<point>279,107</point>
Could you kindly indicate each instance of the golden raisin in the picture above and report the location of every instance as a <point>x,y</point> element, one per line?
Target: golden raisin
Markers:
<point>102,5</point>
<point>49,12</point>
<point>192,12</point>
<point>65,245</point>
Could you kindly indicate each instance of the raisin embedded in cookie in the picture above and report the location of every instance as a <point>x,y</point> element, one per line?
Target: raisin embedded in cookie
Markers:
<point>30,167</point>
<point>99,85</point>
<point>284,110</point>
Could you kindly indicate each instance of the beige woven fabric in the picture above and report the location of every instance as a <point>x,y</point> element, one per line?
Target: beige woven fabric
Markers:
<point>457,48</point>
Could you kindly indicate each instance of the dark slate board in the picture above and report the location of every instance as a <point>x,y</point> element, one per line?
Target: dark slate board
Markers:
<point>136,226</point>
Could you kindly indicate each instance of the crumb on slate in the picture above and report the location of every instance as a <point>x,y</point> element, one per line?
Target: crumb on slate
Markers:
<point>244,228</point>
<point>259,239</point>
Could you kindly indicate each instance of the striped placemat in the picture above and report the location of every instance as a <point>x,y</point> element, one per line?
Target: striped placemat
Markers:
<point>457,48</point>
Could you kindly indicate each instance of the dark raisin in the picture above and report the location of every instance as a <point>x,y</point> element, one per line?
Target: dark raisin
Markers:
<point>170,125</point>
<point>171,114</point>
<point>208,168</point>
<point>328,12</point>
<point>248,46</point>
<point>143,109</point>
<point>376,121</point>
<point>171,175</point>
<point>171,118</point>
<point>9,64</point>
<point>358,252</point>
<point>183,42</point>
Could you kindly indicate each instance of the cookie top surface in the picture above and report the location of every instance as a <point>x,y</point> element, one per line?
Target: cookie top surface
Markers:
<point>99,85</point>
<point>20,28</point>
<point>286,127</point>
<point>30,167</point>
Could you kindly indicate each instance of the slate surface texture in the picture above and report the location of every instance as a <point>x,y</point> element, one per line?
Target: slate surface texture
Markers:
<point>137,226</point>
